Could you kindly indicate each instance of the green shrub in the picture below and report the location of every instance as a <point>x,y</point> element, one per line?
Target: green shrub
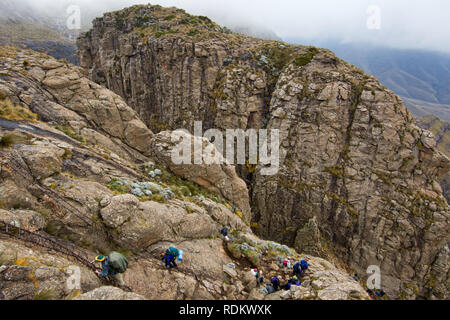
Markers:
<point>336,170</point>
<point>68,131</point>
<point>7,141</point>
<point>118,188</point>
<point>170,17</point>
<point>306,58</point>
<point>193,32</point>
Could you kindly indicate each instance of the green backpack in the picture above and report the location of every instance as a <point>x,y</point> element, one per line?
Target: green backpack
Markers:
<point>118,262</point>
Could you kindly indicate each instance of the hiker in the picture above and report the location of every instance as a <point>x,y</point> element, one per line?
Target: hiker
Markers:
<point>355,277</point>
<point>224,233</point>
<point>170,257</point>
<point>259,277</point>
<point>287,263</point>
<point>304,266</point>
<point>295,281</point>
<point>113,265</point>
<point>287,286</point>
<point>380,293</point>
<point>275,283</point>
<point>297,270</point>
<point>270,289</point>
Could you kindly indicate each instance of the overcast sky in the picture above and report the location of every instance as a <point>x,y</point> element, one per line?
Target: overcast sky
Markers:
<point>418,24</point>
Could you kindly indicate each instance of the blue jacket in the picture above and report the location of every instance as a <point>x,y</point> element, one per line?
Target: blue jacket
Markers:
<point>107,269</point>
<point>275,282</point>
<point>304,265</point>
<point>224,231</point>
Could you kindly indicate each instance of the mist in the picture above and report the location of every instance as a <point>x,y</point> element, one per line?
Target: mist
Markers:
<point>403,24</point>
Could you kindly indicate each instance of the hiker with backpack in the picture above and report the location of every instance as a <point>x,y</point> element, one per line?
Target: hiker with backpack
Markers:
<point>287,286</point>
<point>304,266</point>
<point>113,265</point>
<point>297,269</point>
<point>224,231</point>
<point>270,289</point>
<point>300,268</point>
<point>259,278</point>
<point>170,256</point>
<point>295,281</point>
<point>275,283</point>
<point>287,263</point>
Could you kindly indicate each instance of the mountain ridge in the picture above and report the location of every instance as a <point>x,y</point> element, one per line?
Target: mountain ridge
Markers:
<point>418,76</point>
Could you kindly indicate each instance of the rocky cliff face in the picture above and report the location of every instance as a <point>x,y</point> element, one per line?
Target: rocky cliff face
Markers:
<point>352,158</point>
<point>441,131</point>
<point>82,174</point>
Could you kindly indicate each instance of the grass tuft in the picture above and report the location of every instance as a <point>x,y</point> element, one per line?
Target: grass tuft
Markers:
<point>10,111</point>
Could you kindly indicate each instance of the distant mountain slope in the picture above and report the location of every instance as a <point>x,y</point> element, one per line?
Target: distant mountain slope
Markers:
<point>421,108</point>
<point>33,26</point>
<point>421,78</point>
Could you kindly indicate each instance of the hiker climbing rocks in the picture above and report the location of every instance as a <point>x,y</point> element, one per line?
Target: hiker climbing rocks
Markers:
<point>287,286</point>
<point>259,278</point>
<point>113,265</point>
<point>300,268</point>
<point>295,281</point>
<point>224,233</point>
<point>304,266</point>
<point>275,283</point>
<point>170,257</point>
<point>380,293</point>
<point>270,289</point>
<point>258,275</point>
<point>287,263</point>
<point>297,269</point>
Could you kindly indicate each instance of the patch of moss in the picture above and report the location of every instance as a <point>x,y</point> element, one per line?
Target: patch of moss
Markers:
<point>193,32</point>
<point>184,189</point>
<point>336,170</point>
<point>46,294</point>
<point>170,17</point>
<point>385,177</point>
<point>118,189</point>
<point>306,58</point>
<point>68,131</point>
<point>155,197</point>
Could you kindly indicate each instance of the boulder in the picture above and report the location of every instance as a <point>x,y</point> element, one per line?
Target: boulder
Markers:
<point>109,293</point>
<point>219,177</point>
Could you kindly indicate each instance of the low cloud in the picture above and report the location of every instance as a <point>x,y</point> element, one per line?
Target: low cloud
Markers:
<point>414,24</point>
